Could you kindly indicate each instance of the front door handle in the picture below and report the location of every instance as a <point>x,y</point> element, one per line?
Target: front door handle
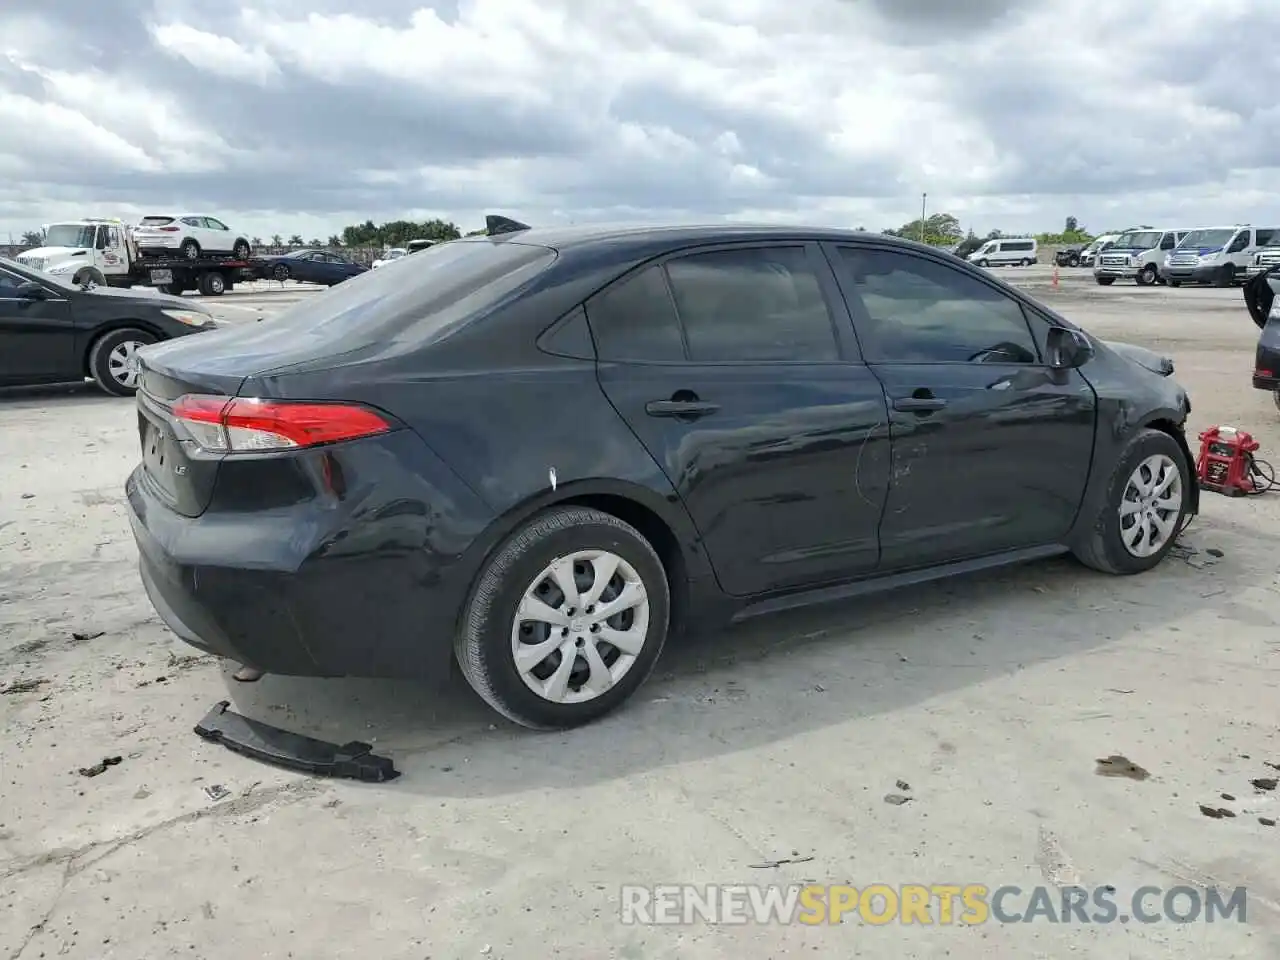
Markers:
<point>683,409</point>
<point>919,404</point>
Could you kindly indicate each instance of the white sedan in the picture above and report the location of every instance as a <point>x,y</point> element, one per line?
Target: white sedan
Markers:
<point>395,253</point>
<point>190,235</point>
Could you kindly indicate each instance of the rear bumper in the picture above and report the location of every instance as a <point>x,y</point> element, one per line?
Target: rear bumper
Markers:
<point>1271,384</point>
<point>361,587</point>
<point>169,242</point>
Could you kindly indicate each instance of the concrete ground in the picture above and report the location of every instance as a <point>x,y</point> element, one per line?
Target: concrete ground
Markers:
<point>992,697</point>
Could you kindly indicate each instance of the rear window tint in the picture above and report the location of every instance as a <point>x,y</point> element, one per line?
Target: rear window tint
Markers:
<point>154,221</point>
<point>422,298</point>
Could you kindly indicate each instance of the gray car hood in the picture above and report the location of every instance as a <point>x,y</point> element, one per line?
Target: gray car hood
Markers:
<point>1155,362</point>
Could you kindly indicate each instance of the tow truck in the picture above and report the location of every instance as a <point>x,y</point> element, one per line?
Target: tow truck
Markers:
<point>103,252</point>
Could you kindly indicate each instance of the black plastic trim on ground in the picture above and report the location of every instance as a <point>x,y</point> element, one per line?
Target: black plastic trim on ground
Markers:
<point>262,741</point>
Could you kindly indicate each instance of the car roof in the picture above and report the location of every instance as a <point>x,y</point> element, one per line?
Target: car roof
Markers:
<point>648,235</point>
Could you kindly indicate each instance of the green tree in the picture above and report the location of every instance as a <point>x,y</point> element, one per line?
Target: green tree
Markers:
<point>277,240</point>
<point>33,238</point>
<point>1073,225</point>
<point>296,240</point>
<point>335,240</point>
<point>939,230</point>
<point>315,243</point>
<point>255,242</point>
<point>396,233</point>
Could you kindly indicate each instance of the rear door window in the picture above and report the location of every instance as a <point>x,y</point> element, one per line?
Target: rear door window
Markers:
<point>634,320</point>
<point>752,305</point>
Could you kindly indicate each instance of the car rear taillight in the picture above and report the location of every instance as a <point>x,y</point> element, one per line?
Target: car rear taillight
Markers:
<point>245,425</point>
<point>168,229</point>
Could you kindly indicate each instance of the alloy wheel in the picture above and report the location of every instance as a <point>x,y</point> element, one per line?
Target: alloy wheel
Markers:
<point>1151,505</point>
<point>580,626</point>
<point>122,363</point>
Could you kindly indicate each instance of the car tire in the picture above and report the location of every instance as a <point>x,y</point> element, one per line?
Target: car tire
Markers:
<point>1105,281</point>
<point>1073,261</point>
<point>107,355</point>
<point>212,284</point>
<point>517,574</point>
<point>89,275</point>
<point>190,249</point>
<point>241,250</point>
<point>1276,397</point>
<point>281,273</point>
<point>1148,276</point>
<point>1175,283</point>
<point>983,264</point>
<point>1104,545</point>
<point>1227,275</point>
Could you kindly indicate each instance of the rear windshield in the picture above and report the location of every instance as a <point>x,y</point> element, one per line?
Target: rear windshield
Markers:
<point>154,221</point>
<point>423,298</point>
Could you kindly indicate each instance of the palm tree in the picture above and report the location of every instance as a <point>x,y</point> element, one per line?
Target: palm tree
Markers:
<point>277,240</point>
<point>296,240</point>
<point>256,242</point>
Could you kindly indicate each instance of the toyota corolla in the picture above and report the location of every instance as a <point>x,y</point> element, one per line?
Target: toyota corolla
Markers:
<point>538,454</point>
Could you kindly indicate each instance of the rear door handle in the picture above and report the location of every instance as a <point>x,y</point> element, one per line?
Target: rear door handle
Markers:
<point>919,404</point>
<point>690,409</point>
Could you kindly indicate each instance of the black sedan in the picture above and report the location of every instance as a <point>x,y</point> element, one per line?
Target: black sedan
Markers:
<point>540,453</point>
<point>53,331</point>
<point>308,266</point>
<point>1260,297</point>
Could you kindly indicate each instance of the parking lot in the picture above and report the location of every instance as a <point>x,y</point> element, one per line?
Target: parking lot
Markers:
<point>983,703</point>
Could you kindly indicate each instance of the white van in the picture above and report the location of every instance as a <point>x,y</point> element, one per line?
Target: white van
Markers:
<point>1218,255</point>
<point>1137,255</point>
<point>1099,246</point>
<point>1007,251</point>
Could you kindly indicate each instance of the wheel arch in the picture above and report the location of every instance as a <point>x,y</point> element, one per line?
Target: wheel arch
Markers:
<point>659,519</point>
<point>112,327</point>
<point>1167,422</point>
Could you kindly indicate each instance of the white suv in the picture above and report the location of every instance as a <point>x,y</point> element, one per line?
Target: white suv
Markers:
<point>189,234</point>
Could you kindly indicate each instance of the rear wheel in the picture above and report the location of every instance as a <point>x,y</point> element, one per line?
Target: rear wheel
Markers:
<point>190,249</point>
<point>241,250</point>
<point>212,284</point>
<point>113,360</point>
<point>566,620</point>
<point>1143,510</point>
<point>1105,281</point>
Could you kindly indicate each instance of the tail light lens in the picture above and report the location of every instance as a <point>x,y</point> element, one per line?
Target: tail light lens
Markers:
<point>245,425</point>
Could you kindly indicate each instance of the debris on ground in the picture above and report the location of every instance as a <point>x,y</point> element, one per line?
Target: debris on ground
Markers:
<point>1216,813</point>
<point>25,685</point>
<point>1118,766</point>
<point>1265,784</point>
<point>247,674</point>
<point>216,791</point>
<point>1118,690</point>
<point>770,864</point>
<point>283,748</point>
<point>1227,796</point>
<point>1266,821</point>
<point>1196,558</point>
<point>896,799</point>
<point>84,637</point>
<point>100,767</point>
<point>903,786</point>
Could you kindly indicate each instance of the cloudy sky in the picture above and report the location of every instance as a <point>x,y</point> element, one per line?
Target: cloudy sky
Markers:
<point>289,116</point>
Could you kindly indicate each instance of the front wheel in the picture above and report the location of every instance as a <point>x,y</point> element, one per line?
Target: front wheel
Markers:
<point>1143,510</point>
<point>113,360</point>
<point>1227,275</point>
<point>984,264</point>
<point>1175,283</point>
<point>281,273</point>
<point>1105,281</point>
<point>1148,276</point>
<point>566,620</point>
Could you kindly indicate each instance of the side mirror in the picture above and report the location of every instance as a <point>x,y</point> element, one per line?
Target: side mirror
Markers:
<point>31,291</point>
<point>1068,349</point>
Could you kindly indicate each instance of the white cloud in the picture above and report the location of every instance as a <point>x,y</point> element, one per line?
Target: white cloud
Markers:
<point>835,111</point>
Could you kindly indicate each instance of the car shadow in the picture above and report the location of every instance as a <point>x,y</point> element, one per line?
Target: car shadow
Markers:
<point>71,391</point>
<point>767,681</point>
